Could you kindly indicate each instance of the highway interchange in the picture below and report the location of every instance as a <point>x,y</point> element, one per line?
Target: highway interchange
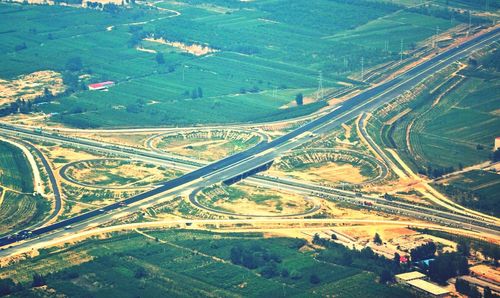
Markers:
<point>204,175</point>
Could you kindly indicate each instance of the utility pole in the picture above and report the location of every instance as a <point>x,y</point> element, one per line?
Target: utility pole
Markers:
<point>319,93</point>
<point>183,72</point>
<point>401,52</point>
<point>434,41</point>
<point>468,29</point>
<point>362,68</point>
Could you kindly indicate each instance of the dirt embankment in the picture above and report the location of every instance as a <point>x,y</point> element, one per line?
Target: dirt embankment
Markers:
<point>31,86</point>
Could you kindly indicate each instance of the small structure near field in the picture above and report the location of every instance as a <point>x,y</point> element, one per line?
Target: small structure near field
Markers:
<point>416,280</point>
<point>428,288</point>
<point>405,277</point>
<point>101,85</point>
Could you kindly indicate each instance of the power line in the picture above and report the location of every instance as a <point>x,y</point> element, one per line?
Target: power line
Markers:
<point>320,92</point>
<point>401,52</point>
<point>470,19</point>
<point>362,68</point>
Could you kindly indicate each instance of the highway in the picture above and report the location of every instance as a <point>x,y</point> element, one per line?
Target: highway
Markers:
<point>267,151</point>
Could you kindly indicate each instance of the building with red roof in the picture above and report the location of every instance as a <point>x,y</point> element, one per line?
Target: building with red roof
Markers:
<point>101,85</point>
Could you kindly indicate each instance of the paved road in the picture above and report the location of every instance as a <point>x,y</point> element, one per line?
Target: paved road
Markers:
<point>264,152</point>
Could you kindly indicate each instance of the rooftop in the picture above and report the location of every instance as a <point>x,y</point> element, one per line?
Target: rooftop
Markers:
<point>410,275</point>
<point>101,84</point>
<point>428,287</point>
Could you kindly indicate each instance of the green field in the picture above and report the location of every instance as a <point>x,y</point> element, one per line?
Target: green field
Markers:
<point>191,264</point>
<point>18,207</point>
<point>475,189</point>
<point>19,211</point>
<point>267,51</point>
<point>454,120</point>
<point>15,171</point>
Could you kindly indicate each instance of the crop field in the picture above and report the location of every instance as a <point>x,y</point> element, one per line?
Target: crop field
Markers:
<point>18,211</point>
<point>452,120</point>
<point>18,207</point>
<point>262,56</point>
<point>386,34</point>
<point>475,189</point>
<point>15,171</point>
<point>457,129</point>
<point>132,265</point>
<point>478,5</point>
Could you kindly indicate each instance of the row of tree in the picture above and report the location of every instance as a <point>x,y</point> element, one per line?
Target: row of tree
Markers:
<point>8,286</point>
<point>364,259</point>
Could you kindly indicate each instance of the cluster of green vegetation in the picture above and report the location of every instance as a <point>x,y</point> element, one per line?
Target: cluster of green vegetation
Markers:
<point>190,264</point>
<point>446,266</point>
<point>465,244</point>
<point>423,252</point>
<point>266,53</point>
<point>471,291</point>
<point>364,259</point>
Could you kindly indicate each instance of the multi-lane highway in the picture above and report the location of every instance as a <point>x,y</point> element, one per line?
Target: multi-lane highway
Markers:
<point>267,151</point>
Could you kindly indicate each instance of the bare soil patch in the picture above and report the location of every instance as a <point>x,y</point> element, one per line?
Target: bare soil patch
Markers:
<point>30,86</point>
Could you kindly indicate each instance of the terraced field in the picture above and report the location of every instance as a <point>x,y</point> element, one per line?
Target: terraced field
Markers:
<point>332,166</point>
<point>452,120</point>
<point>206,144</point>
<point>116,173</point>
<point>246,200</point>
<point>18,211</point>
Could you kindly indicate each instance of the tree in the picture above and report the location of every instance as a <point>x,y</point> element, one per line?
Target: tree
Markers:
<point>270,270</point>
<point>20,47</point>
<point>334,237</point>
<point>422,252</point>
<point>284,273</point>
<point>140,273</point>
<point>496,155</point>
<point>446,266</point>
<point>38,280</point>
<point>295,275</point>
<point>377,239</point>
<point>159,58</point>
<point>7,286</point>
<point>462,286</point>
<point>74,64</point>
<point>316,238</point>
<point>314,279</point>
<point>488,294</point>
<point>385,276</point>
<point>299,99</point>
<point>463,248</point>
<point>397,259</point>
<point>235,255</point>
<point>194,93</point>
